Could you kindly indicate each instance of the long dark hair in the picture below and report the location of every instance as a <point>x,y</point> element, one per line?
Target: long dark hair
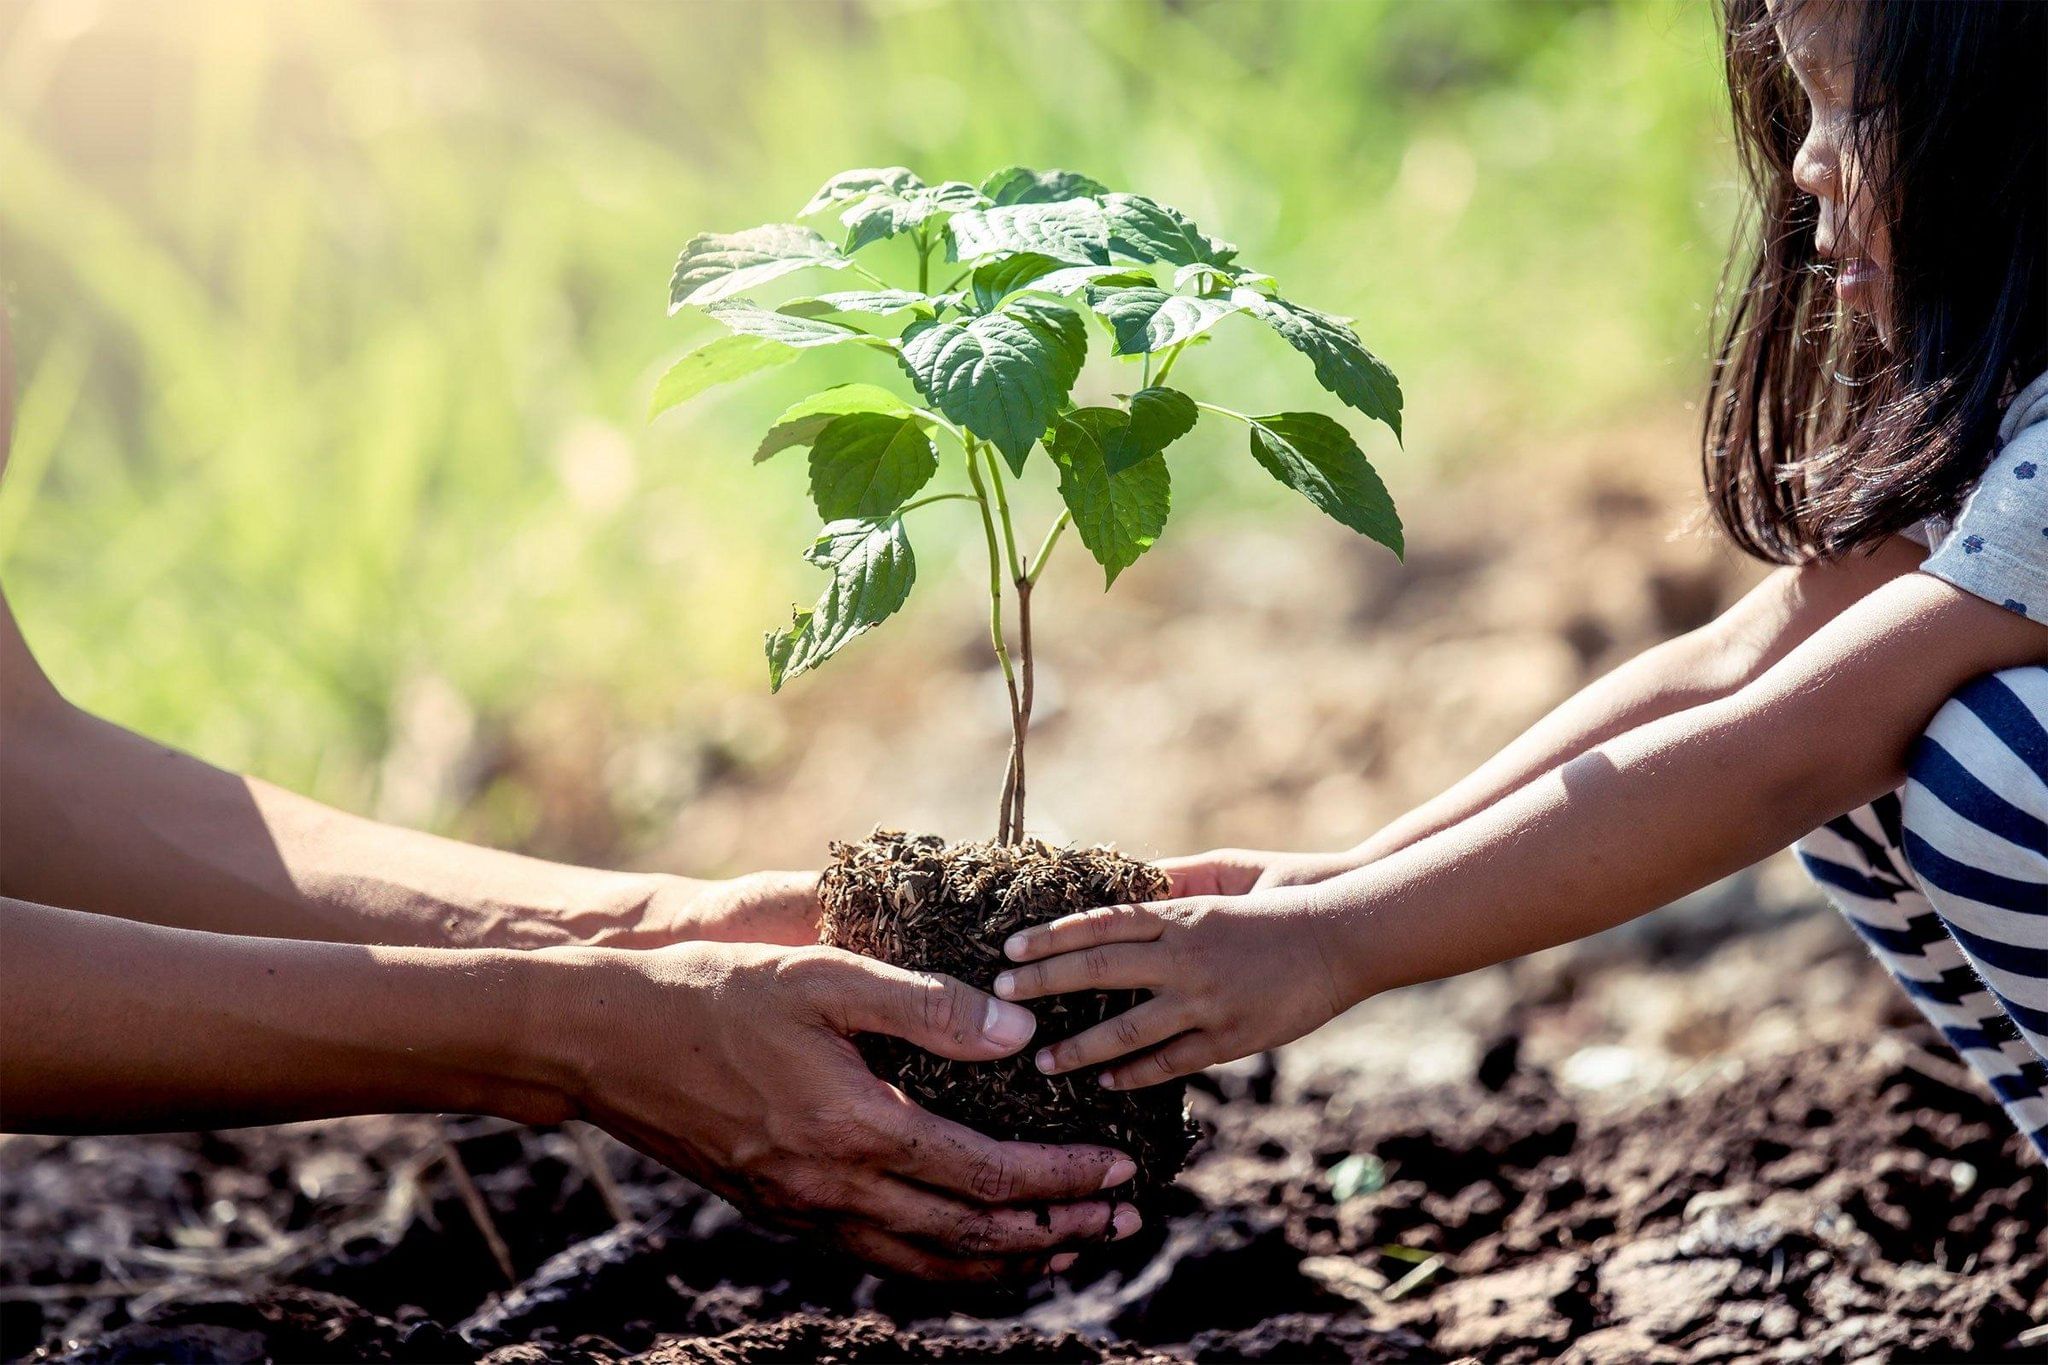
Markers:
<point>1819,438</point>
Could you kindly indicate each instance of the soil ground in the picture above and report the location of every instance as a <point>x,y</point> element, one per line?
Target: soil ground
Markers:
<point>1712,1135</point>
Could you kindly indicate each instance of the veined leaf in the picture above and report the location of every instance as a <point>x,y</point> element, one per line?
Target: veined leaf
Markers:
<point>1148,231</point>
<point>996,280</point>
<point>872,572</point>
<point>801,421</point>
<point>1073,231</point>
<point>714,363</point>
<point>866,464</point>
<point>788,329</point>
<point>1117,515</point>
<point>1342,364</point>
<point>860,301</point>
<point>859,184</point>
<point>1204,278</point>
<point>1019,185</point>
<point>1316,457</point>
<point>1147,318</point>
<point>884,215</point>
<point>717,265</point>
<point>1159,417</point>
<point>1002,375</point>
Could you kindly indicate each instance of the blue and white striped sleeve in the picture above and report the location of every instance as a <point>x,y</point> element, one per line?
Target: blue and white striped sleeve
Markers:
<point>1998,548</point>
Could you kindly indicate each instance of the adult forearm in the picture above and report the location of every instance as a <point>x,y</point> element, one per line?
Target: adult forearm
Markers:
<point>114,1025</point>
<point>104,820</point>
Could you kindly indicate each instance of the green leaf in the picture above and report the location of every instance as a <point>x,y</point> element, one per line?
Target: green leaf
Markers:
<point>801,421</point>
<point>1343,365</point>
<point>712,364</point>
<point>1316,457</point>
<point>993,281</point>
<point>882,216</point>
<point>1149,231</point>
<point>859,301</point>
<point>787,329</point>
<point>1018,185</point>
<point>1158,418</point>
<point>1072,231</point>
<point>860,184</point>
<point>1117,515</point>
<point>716,265</point>
<point>1147,318</point>
<point>1002,375</point>
<point>872,573</point>
<point>866,464</point>
<point>1203,278</point>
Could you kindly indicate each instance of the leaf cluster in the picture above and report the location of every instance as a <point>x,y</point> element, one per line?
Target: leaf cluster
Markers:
<point>992,356</point>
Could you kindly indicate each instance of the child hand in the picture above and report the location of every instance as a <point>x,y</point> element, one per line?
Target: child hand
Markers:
<point>1236,871</point>
<point>1229,976</point>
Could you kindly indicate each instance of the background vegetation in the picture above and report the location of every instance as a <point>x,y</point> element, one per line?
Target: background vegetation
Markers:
<point>337,319</point>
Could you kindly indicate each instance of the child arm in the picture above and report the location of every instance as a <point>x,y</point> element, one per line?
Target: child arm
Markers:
<point>1629,824</point>
<point>1701,666</point>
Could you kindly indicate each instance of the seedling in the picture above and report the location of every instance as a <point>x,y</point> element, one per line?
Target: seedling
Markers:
<point>990,355</point>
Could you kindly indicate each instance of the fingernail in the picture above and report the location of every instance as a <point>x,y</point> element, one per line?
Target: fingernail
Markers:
<point>1063,1262</point>
<point>1013,947</point>
<point>1107,1081</point>
<point>1006,985</point>
<point>1126,1221</point>
<point>1044,1060</point>
<point>1120,1170</point>
<point>1008,1025</point>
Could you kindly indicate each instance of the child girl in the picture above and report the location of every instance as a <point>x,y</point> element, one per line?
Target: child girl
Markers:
<point>1877,425</point>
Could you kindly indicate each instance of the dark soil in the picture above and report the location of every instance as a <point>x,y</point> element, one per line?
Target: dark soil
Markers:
<point>1800,1195</point>
<point>918,902</point>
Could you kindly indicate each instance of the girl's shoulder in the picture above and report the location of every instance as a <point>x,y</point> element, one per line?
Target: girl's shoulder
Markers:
<point>1997,547</point>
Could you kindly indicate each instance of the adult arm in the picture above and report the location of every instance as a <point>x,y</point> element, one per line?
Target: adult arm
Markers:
<point>93,817</point>
<point>731,1063</point>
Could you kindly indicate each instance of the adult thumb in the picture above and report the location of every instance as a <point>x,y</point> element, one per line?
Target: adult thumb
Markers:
<point>938,1013</point>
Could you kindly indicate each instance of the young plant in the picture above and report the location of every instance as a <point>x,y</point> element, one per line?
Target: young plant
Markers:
<point>991,356</point>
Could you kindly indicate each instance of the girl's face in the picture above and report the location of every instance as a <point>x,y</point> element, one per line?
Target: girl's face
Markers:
<point>1816,39</point>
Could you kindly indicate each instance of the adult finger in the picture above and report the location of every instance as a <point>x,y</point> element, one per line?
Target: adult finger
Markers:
<point>860,995</point>
<point>1184,1056</point>
<point>899,1256</point>
<point>952,1157</point>
<point>1090,928</point>
<point>1143,1025</point>
<point>957,1228</point>
<point>1107,967</point>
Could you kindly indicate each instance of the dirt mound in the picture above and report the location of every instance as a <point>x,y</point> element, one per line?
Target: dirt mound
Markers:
<point>918,902</point>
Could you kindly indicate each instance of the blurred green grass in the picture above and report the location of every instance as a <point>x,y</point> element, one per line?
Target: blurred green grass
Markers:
<point>336,320</point>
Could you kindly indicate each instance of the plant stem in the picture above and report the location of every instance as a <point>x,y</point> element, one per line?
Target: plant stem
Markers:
<point>1221,412</point>
<point>924,261</point>
<point>1006,815</point>
<point>936,497</point>
<point>1166,367</point>
<point>995,474</point>
<point>1024,708</point>
<point>1052,538</point>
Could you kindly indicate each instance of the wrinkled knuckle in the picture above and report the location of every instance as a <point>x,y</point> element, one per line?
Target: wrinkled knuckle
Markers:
<point>804,970</point>
<point>941,1007</point>
<point>1096,963</point>
<point>974,1232</point>
<point>994,1179</point>
<point>1127,1031</point>
<point>1162,1062</point>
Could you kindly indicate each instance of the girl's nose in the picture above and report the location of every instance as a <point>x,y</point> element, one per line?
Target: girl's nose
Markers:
<point>1813,168</point>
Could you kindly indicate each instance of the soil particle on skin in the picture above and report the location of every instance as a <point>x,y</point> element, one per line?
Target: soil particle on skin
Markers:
<point>919,902</point>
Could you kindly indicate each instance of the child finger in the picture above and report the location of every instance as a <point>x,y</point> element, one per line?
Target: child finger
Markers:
<point>1108,924</point>
<point>1107,967</point>
<point>1184,1056</point>
<point>1141,1026</point>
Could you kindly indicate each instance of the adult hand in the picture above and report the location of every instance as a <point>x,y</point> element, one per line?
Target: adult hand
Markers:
<point>760,907</point>
<point>733,1063</point>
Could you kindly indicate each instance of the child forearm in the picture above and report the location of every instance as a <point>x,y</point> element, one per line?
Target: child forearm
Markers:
<point>1701,666</point>
<point>1652,815</point>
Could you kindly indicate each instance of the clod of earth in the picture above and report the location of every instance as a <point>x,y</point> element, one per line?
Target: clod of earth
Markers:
<point>915,901</point>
